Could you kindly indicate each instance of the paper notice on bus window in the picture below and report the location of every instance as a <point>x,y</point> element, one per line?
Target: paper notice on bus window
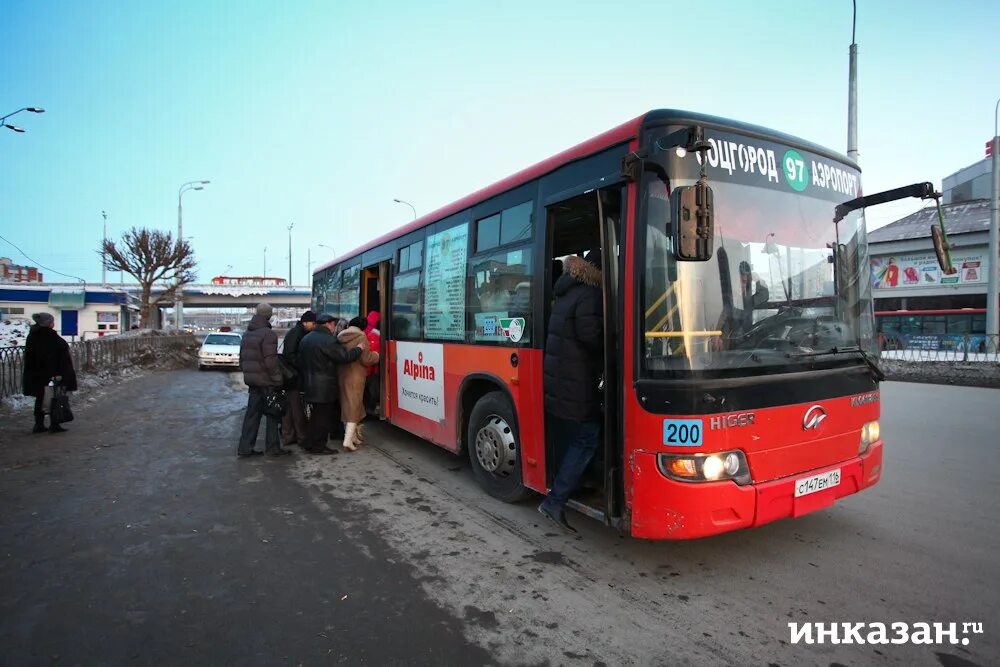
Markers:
<point>420,379</point>
<point>444,284</point>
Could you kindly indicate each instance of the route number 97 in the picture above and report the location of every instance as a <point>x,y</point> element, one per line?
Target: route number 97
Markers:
<point>682,432</point>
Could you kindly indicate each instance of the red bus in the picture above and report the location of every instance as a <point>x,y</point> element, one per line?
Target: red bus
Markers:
<point>739,383</point>
<point>253,281</point>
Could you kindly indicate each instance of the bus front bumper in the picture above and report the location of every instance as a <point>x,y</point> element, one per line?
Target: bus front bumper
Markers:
<point>668,510</point>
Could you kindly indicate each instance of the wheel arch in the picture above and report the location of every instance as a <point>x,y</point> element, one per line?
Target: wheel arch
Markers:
<point>474,386</point>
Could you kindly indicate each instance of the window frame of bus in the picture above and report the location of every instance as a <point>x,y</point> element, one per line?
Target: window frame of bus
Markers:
<point>398,270</point>
<point>332,288</point>
<point>355,267</point>
<point>526,194</point>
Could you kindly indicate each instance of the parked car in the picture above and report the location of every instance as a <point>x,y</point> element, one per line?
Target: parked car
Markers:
<point>220,349</point>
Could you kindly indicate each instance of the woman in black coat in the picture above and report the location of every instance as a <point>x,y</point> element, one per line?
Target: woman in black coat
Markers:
<point>46,356</point>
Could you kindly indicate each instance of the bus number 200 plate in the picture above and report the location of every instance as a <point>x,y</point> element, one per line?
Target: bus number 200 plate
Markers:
<point>682,432</point>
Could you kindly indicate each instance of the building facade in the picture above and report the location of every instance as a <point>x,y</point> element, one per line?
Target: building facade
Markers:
<point>81,313</point>
<point>16,273</point>
<point>913,297</point>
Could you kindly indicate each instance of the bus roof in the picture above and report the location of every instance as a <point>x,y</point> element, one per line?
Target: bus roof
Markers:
<point>624,132</point>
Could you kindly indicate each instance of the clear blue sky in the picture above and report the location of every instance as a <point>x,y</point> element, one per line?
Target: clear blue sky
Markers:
<point>321,113</point>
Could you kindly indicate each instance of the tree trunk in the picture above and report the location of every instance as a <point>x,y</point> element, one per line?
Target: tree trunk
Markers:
<point>144,307</point>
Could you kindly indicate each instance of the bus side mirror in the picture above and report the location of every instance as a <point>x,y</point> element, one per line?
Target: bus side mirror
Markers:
<point>693,211</point>
<point>942,250</point>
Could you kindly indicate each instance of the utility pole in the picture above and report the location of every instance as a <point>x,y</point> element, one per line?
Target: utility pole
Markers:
<point>993,261</point>
<point>104,254</point>
<point>852,92</point>
<point>290,253</point>
<point>265,262</point>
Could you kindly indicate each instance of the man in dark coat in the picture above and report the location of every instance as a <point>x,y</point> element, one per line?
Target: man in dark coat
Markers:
<point>319,355</point>
<point>574,360</point>
<point>46,356</point>
<point>293,425</point>
<point>259,363</point>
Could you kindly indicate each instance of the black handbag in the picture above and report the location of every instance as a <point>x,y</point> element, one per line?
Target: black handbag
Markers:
<point>60,412</point>
<point>274,403</point>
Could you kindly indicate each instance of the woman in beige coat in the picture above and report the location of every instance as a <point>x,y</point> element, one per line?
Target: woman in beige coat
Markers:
<point>352,380</point>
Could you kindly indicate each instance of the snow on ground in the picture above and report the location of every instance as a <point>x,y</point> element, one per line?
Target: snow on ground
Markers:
<point>13,332</point>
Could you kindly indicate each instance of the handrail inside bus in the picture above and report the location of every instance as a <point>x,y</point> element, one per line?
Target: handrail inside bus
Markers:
<point>680,334</point>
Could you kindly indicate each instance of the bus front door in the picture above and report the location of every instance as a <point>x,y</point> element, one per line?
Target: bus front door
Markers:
<point>576,225</point>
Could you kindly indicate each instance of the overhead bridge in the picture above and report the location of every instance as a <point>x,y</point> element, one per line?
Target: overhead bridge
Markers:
<point>237,296</point>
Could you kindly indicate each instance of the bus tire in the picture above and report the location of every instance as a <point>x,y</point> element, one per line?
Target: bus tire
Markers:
<point>495,448</point>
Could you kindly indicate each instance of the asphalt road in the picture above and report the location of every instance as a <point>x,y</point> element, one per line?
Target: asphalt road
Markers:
<point>143,540</point>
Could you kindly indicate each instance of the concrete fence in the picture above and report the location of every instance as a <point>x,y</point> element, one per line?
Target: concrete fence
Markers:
<point>92,356</point>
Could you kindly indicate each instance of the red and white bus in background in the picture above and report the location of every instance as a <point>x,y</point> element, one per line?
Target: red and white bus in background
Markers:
<point>253,281</point>
<point>739,387</point>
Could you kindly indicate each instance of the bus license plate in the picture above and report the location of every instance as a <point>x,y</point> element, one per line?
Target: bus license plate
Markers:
<point>826,480</point>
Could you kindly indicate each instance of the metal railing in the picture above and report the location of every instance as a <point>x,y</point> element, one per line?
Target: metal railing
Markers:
<point>93,355</point>
<point>940,347</point>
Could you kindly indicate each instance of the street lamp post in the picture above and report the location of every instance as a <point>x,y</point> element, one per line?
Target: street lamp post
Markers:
<point>400,201</point>
<point>265,262</point>
<point>852,92</point>
<point>179,293</point>
<point>15,128</point>
<point>993,263</point>
<point>104,254</point>
<point>290,253</point>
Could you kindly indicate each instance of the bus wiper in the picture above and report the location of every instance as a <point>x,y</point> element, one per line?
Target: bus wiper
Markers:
<point>869,361</point>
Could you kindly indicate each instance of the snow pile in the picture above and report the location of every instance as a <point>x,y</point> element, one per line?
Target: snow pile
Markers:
<point>13,332</point>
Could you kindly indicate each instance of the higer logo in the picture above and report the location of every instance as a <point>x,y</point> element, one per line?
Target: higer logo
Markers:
<point>813,418</point>
<point>418,370</point>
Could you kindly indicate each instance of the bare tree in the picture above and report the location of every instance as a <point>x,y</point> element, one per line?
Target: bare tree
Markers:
<point>151,256</point>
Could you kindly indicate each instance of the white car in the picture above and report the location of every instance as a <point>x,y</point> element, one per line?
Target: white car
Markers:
<point>220,349</point>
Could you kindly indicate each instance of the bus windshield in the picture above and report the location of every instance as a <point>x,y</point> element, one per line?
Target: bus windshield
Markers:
<point>786,289</point>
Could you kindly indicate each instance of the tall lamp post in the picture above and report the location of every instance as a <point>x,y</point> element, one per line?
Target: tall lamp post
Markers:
<point>400,201</point>
<point>993,265</point>
<point>104,255</point>
<point>265,262</point>
<point>179,293</point>
<point>852,92</point>
<point>15,128</point>
<point>290,253</point>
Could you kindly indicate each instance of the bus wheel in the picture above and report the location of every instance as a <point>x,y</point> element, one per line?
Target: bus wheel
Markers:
<point>494,448</point>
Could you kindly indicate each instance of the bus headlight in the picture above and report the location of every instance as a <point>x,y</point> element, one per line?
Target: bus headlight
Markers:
<point>870,433</point>
<point>705,467</point>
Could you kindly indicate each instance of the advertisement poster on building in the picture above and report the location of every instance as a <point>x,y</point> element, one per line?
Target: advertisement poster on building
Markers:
<point>921,270</point>
<point>444,287</point>
<point>420,379</point>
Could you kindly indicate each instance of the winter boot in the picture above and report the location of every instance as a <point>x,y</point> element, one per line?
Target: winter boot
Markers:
<point>349,442</point>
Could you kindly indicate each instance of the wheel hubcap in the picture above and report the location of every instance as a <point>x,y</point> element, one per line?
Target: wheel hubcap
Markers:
<point>495,447</point>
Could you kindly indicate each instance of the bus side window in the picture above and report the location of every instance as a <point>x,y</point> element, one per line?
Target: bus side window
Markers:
<point>499,285</point>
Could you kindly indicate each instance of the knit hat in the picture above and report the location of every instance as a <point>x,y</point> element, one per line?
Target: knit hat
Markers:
<point>594,257</point>
<point>43,319</point>
<point>265,310</point>
<point>308,316</point>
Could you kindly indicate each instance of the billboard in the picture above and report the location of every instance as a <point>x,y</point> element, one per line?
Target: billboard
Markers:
<point>921,270</point>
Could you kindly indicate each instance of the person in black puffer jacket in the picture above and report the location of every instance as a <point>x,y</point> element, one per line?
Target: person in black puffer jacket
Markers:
<point>46,356</point>
<point>293,424</point>
<point>320,354</point>
<point>574,361</point>
<point>259,363</point>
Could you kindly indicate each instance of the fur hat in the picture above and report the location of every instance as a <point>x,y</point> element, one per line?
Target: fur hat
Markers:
<point>265,310</point>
